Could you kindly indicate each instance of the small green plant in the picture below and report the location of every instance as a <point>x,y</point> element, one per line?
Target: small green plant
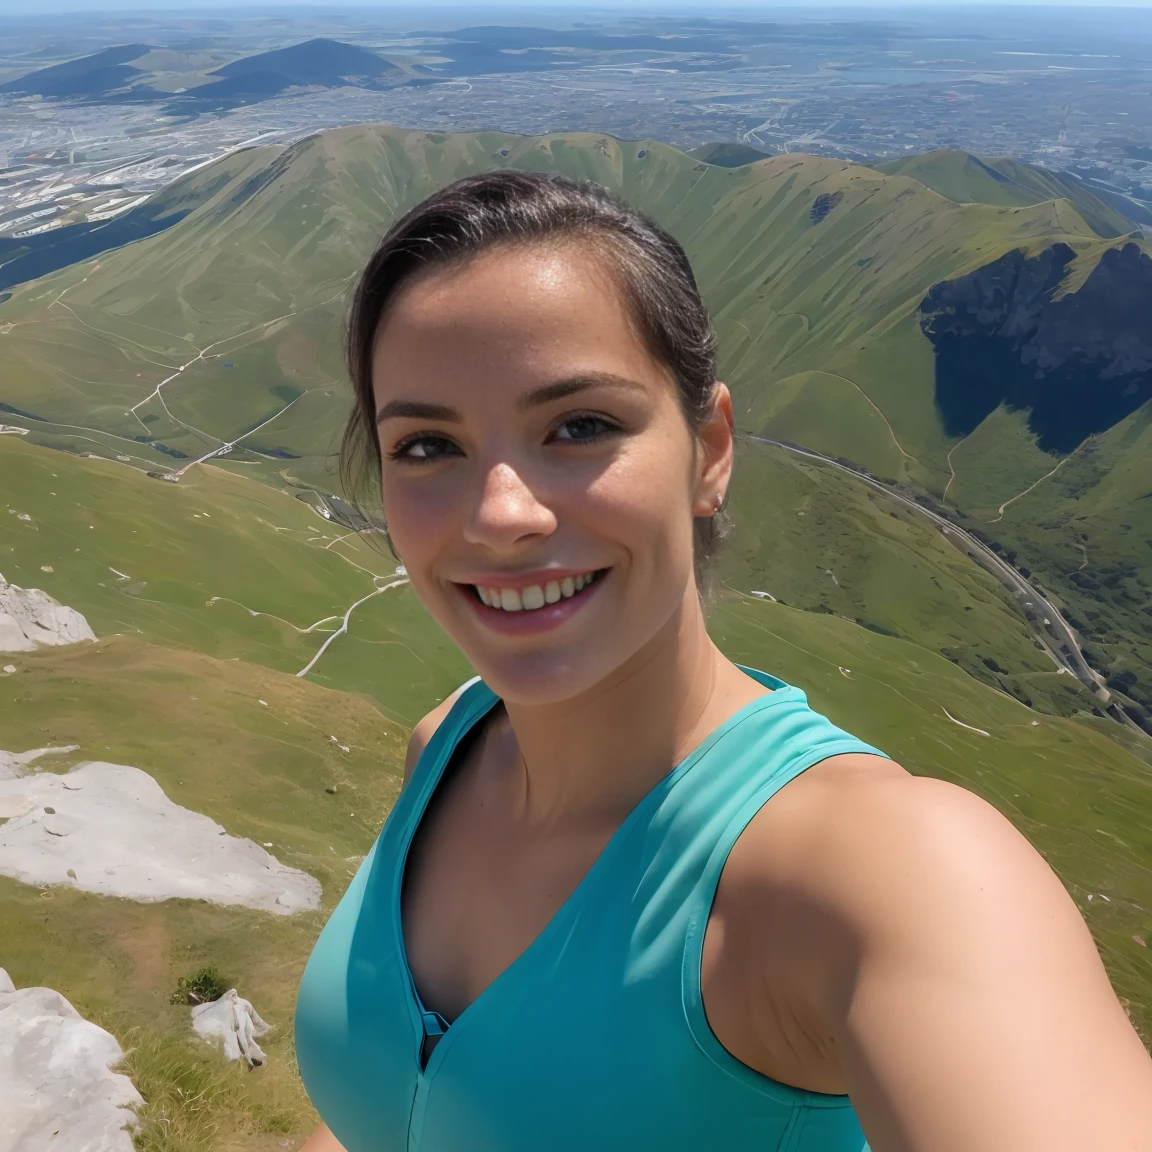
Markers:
<point>200,987</point>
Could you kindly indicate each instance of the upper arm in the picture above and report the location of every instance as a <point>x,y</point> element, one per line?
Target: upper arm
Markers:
<point>322,1140</point>
<point>426,729</point>
<point>975,1013</point>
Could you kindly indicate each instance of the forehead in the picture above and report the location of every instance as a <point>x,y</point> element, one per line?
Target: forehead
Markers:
<point>518,315</point>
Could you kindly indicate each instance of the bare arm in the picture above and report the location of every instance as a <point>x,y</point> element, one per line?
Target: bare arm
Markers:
<point>322,1141</point>
<point>974,1014</point>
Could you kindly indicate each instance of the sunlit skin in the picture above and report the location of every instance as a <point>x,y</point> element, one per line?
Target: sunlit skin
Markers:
<point>545,467</point>
<point>874,933</point>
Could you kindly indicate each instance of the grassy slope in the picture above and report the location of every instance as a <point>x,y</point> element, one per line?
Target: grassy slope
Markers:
<point>262,771</point>
<point>819,336</point>
<point>218,564</point>
<point>1086,531</point>
<point>817,539</point>
<point>1005,181</point>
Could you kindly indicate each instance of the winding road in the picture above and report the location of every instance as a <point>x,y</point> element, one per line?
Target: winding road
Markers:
<point>1053,630</point>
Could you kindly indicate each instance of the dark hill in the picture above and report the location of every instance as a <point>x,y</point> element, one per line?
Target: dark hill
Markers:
<point>1078,363</point>
<point>319,62</point>
<point>88,76</point>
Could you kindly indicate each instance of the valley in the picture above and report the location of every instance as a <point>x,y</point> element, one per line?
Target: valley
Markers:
<point>176,403</point>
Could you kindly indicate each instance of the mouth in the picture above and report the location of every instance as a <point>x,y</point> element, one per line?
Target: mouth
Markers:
<point>534,597</point>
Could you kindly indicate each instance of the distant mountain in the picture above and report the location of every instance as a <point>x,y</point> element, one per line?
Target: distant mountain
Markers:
<point>727,155</point>
<point>1002,180</point>
<point>318,63</point>
<point>92,76</point>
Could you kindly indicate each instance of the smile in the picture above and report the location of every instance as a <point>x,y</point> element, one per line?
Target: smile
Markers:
<point>535,596</point>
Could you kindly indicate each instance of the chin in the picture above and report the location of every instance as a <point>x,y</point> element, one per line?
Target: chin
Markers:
<point>540,678</point>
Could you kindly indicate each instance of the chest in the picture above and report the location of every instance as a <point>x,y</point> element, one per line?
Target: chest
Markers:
<point>479,887</point>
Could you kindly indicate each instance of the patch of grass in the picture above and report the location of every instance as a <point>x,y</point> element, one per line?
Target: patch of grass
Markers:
<point>189,1092</point>
<point>200,987</point>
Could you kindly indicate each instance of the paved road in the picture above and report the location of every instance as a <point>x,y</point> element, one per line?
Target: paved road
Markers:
<point>1054,631</point>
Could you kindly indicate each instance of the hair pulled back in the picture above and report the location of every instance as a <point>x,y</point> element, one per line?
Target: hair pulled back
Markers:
<point>509,207</point>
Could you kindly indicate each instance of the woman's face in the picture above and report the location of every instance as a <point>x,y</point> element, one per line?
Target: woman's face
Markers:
<point>539,476</point>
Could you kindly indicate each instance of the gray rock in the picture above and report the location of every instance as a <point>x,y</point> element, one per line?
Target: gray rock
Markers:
<point>113,831</point>
<point>234,1023</point>
<point>57,1087</point>
<point>31,619</point>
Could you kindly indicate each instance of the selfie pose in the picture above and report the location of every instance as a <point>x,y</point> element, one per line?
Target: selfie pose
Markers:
<point>633,896</point>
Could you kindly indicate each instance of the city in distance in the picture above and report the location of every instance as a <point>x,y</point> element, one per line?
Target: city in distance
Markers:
<point>925,237</point>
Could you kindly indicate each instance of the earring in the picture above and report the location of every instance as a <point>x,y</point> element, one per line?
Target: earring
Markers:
<point>719,503</point>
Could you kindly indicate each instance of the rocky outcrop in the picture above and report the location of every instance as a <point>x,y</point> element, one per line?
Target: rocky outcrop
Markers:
<point>232,1022</point>
<point>31,619</point>
<point>57,1087</point>
<point>1078,363</point>
<point>110,829</point>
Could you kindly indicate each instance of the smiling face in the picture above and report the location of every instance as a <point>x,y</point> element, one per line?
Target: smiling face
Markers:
<point>539,476</point>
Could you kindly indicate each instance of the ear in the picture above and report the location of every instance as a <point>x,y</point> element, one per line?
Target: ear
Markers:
<point>717,439</point>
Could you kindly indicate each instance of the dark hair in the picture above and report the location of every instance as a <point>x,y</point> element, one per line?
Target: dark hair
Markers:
<point>508,207</point>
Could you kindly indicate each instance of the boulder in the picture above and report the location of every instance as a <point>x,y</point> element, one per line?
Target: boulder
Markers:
<point>110,829</point>
<point>57,1087</point>
<point>233,1022</point>
<point>31,619</point>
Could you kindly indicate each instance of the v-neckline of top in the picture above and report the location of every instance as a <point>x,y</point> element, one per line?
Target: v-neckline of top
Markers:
<point>465,727</point>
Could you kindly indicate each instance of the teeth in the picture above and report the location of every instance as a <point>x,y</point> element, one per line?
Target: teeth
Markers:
<point>534,597</point>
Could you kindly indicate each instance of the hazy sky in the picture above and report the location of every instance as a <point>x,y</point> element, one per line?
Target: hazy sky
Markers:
<point>32,7</point>
<point>522,9</point>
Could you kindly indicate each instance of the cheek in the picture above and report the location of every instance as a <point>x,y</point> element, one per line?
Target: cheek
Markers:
<point>420,518</point>
<point>645,500</point>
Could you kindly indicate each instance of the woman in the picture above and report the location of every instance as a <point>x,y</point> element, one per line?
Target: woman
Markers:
<point>631,895</point>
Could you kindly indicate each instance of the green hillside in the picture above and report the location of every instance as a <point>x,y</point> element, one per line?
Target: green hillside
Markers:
<point>1006,181</point>
<point>225,329</point>
<point>213,593</point>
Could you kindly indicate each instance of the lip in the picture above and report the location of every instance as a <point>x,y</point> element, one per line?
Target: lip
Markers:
<point>519,580</point>
<point>539,620</point>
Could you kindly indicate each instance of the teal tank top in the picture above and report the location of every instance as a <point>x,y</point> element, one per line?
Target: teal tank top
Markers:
<point>595,1037</point>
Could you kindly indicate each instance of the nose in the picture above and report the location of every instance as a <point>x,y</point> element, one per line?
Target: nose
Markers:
<point>508,512</point>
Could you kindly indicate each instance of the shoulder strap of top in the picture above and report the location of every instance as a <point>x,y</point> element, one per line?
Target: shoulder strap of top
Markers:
<point>474,700</point>
<point>776,743</point>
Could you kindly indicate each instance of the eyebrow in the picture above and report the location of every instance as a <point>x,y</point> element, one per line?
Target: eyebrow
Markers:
<point>560,390</point>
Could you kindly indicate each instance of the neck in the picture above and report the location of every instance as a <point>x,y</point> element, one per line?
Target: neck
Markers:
<point>595,756</point>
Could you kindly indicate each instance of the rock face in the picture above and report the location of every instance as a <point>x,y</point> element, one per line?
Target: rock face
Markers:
<point>57,1089</point>
<point>1078,363</point>
<point>232,1021</point>
<point>31,619</point>
<point>109,828</point>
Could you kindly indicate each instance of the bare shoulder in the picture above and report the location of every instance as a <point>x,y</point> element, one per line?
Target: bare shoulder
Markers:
<point>426,729</point>
<point>881,846</point>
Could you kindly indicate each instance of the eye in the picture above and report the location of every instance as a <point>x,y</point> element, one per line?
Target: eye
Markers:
<point>583,428</point>
<point>423,447</point>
